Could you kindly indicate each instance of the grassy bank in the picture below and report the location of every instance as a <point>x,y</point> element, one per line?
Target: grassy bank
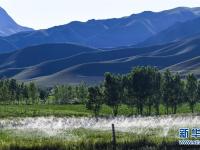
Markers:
<point>75,110</point>
<point>82,139</point>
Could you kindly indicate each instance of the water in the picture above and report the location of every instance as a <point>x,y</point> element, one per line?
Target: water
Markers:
<point>147,125</point>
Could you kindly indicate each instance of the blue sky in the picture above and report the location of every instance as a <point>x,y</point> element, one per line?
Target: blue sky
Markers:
<point>40,14</point>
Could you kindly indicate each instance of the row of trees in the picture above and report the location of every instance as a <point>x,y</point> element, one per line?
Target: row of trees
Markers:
<point>143,87</point>
<point>12,92</point>
<point>67,94</point>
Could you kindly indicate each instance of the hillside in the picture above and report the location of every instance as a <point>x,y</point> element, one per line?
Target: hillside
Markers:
<point>37,54</point>
<point>67,63</point>
<point>188,66</point>
<point>177,32</point>
<point>162,57</point>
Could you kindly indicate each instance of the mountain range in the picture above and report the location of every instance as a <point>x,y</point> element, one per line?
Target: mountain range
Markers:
<point>108,33</point>
<point>84,51</point>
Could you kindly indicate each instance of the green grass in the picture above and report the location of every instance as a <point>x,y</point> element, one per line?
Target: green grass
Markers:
<point>86,139</point>
<point>82,139</point>
<point>42,110</point>
<point>75,110</point>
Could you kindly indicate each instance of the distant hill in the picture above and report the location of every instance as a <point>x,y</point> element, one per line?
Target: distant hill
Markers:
<point>50,67</point>
<point>37,54</point>
<point>186,67</point>
<point>8,26</point>
<point>67,63</point>
<point>106,33</point>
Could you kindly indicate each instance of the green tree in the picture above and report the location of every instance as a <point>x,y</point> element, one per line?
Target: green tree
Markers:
<point>177,93</point>
<point>4,93</point>
<point>12,89</point>
<point>112,91</point>
<point>192,91</point>
<point>155,91</point>
<point>82,92</point>
<point>56,95</point>
<point>18,93</point>
<point>25,93</point>
<point>128,93</point>
<point>94,102</point>
<point>43,95</point>
<point>167,89</point>
<point>143,83</point>
<point>33,92</point>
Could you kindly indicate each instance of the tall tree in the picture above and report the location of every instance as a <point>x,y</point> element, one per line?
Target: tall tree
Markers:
<point>144,83</point>
<point>177,93</point>
<point>128,93</point>
<point>43,95</point>
<point>33,92</point>
<point>13,89</point>
<point>56,94</point>
<point>4,93</point>
<point>112,91</point>
<point>94,102</point>
<point>192,91</point>
<point>82,92</point>
<point>155,91</point>
<point>167,89</point>
<point>25,93</point>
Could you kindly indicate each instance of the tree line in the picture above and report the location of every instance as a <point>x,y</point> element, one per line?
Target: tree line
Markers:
<point>13,92</point>
<point>143,87</point>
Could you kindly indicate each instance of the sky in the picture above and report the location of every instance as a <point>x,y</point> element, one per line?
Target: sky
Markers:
<point>40,14</point>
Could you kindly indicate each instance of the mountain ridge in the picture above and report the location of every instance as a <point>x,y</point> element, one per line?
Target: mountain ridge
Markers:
<point>105,33</point>
<point>8,26</point>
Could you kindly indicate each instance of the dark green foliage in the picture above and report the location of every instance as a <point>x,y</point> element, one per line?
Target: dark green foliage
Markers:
<point>12,92</point>
<point>144,84</point>
<point>95,101</point>
<point>43,95</point>
<point>67,94</point>
<point>192,90</point>
<point>113,91</point>
<point>33,92</point>
<point>167,89</point>
<point>82,92</point>
<point>177,93</point>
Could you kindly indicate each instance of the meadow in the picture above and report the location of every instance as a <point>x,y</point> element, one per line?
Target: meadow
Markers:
<point>84,140</point>
<point>79,110</point>
<point>87,133</point>
<point>16,133</point>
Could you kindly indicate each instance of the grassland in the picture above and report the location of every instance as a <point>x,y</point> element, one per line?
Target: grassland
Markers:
<point>85,140</point>
<point>82,139</point>
<point>75,110</point>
